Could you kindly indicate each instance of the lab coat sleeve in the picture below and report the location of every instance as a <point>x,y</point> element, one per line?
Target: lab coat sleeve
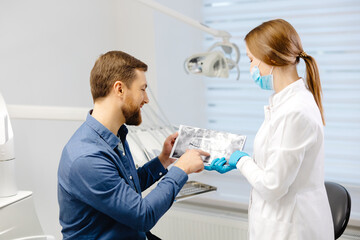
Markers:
<point>291,138</point>
<point>95,180</point>
<point>150,172</point>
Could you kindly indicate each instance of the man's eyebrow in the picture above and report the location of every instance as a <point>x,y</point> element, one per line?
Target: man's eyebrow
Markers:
<point>145,85</point>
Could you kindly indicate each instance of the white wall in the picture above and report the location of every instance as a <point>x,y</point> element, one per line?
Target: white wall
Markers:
<point>181,96</point>
<point>47,49</point>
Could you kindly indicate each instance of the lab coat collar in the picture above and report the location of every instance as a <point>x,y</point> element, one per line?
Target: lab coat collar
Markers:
<point>103,132</point>
<point>277,98</point>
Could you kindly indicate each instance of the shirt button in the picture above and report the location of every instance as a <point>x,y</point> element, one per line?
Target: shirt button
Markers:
<point>130,177</point>
<point>160,173</point>
<point>123,153</point>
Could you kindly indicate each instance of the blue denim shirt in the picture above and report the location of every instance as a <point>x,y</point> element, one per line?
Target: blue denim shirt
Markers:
<point>99,188</point>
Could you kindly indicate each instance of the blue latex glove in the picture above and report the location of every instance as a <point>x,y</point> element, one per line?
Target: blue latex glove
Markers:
<point>218,164</point>
<point>235,157</point>
<point>211,166</point>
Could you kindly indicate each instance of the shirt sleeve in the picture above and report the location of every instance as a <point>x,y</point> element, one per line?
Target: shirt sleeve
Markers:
<point>287,147</point>
<point>150,172</point>
<point>95,181</point>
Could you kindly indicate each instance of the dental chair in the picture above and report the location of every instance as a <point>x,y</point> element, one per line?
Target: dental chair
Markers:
<point>18,218</point>
<point>340,204</point>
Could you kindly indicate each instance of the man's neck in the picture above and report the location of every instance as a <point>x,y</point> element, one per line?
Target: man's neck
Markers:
<point>105,112</point>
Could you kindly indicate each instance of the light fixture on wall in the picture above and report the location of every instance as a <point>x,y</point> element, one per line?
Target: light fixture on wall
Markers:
<point>220,58</point>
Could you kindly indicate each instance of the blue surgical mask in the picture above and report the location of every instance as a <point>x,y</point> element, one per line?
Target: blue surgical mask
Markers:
<point>265,82</point>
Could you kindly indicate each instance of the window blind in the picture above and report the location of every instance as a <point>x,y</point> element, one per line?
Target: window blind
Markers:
<point>330,32</point>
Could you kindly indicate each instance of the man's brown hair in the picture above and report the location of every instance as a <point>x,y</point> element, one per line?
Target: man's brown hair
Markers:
<point>111,67</point>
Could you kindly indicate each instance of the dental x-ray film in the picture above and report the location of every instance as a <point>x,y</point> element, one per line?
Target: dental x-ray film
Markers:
<point>217,143</point>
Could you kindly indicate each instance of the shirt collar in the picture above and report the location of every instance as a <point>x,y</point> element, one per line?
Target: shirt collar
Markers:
<point>123,131</point>
<point>278,98</point>
<point>103,132</point>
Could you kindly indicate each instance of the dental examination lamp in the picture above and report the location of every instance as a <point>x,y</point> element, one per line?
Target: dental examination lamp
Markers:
<point>218,60</point>
<point>7,156</point>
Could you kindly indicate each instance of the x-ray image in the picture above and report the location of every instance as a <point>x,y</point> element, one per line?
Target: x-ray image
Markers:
<point>218,144</point>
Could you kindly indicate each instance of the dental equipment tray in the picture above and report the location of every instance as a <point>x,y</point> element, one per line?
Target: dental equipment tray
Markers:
<point>193,188</point>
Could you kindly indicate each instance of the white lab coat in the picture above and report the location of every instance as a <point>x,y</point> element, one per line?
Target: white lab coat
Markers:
<point>288,198</point>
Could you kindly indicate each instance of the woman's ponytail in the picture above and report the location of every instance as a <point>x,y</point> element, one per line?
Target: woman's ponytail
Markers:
<point>313,81</point>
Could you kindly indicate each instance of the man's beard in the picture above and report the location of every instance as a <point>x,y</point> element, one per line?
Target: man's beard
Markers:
<point>131,113</point>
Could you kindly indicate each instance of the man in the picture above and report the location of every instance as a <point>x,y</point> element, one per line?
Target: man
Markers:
<point>99,188</point>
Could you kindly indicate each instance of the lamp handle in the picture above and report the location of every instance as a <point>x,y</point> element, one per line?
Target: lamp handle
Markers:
<point>185,19</point>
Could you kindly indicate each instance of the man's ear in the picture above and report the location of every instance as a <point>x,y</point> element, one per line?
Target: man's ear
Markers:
<point>118,88</point>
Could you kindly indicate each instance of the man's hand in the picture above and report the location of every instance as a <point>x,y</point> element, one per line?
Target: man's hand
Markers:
<point>165,153</point>
<point>191,161</point>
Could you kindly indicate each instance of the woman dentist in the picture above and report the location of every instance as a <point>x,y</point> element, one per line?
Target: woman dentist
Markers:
<point>288,198</point>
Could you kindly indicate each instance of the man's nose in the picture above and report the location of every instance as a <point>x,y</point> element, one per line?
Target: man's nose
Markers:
<point>146,99</point>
